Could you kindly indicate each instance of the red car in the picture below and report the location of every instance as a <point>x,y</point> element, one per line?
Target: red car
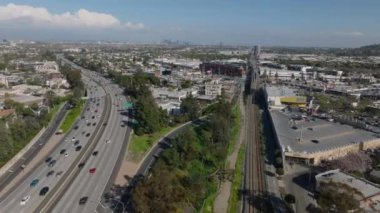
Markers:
<point>88,109</point>
<point>92,170</point>
<point>96,110</point>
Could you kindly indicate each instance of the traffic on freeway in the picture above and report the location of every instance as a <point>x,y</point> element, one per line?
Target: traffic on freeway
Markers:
<point>36,186</point>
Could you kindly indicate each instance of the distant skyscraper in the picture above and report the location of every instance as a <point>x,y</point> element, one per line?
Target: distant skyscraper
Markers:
<point>256,51</point>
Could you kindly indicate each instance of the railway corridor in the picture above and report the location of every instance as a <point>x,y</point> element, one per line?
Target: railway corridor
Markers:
<point>254,184</point>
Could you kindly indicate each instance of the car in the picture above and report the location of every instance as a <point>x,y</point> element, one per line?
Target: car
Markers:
<point>108,141</point>
<point>92,170</point>
<point>88,134</point>
<point>104,124</point>
<point>34,182</point>
<point>83,117</point>
<point>83,200</point>
<point>84,132</point>
<point>94,123</point>
<point>63,151</point>
<point>76,127</point>
<point>88,124</point>
<point>315,141</point>
<point>24,200</point>
<point>50,173</point>
<point>78,148</point>
<point>95,153</point>
<point>96,110</point>
<point>73,139</point>
<point>44,191</point>
<point>294,127</point>
<point>52,163</point>
<point>88,109</point>
<point>93,117</point>
<point>66,154</point>
<point>76,143</point>
<point>81,165</point>
<point>59,173</point>
<point>48,159</point>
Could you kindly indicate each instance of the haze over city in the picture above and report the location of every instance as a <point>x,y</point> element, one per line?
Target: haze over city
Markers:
<point>196,106</point>
<point>242,22</point>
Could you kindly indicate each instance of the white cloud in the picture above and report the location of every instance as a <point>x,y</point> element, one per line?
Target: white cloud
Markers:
<point>354,34</point>
<point>81,18</point>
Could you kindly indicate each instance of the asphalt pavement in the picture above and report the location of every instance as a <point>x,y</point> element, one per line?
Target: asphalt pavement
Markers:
<point>11,203</point>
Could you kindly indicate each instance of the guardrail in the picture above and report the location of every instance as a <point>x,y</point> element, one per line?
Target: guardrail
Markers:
<point>48,203</point>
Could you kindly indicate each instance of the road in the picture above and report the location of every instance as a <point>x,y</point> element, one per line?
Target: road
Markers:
<point>15,170</point>
<point>106,161</point>
<point>11,203</point>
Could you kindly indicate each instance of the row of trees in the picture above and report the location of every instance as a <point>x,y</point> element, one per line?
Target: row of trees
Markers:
<point>17,131</point>
<point>186,174</point>
<point>74,78</point>
<point>149,117</point>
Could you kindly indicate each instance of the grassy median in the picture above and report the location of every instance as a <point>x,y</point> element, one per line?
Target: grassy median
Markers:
<point>72,116</point>
<point>140,144</point>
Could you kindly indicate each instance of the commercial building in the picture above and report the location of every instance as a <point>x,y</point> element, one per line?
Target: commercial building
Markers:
<point>232,68</point>
<point>370,199</point>
<point>282,96</point>
<point>309,140</point>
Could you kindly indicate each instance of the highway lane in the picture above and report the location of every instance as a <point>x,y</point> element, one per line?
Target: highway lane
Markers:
<point>11,202</point>
<point>13,171</point>
<point>93,185</point>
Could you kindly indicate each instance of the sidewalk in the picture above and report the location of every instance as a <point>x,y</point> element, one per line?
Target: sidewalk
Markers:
<point>221,201</point>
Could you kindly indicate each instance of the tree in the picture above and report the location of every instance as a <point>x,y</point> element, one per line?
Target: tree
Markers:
<point>289,198</point>
<point>338,197</point>
<point>190,107</point>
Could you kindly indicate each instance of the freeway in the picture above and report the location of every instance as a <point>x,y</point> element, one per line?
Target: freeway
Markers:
<point>64,155</point>
<point>15,170</point>
<point>109,147</point>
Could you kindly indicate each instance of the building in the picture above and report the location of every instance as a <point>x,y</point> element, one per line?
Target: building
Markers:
<point>282,96</point>
<point>7,112</point>
<point>4,80</point>
<point>226,68</point>
<point>47,67</point>
<point>213,88</point>
<point>370,201</point>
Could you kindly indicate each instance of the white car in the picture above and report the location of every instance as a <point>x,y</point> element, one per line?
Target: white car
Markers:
<point>24,200</point>
<point>108,141</point>
<point>66,154</point>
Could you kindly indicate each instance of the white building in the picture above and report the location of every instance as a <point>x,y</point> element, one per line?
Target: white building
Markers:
<point>213,88</point>
<point>47,67</point>
<point>4,80</point>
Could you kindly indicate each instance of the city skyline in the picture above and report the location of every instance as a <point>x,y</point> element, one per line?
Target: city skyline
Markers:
<point>271,23</point>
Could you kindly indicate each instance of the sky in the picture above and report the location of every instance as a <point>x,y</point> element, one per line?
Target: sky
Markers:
<point>312,23</point>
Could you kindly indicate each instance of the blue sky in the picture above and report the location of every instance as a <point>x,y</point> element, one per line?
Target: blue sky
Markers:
<point>338,23</point>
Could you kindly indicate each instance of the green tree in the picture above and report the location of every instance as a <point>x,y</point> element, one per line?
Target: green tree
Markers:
<point>190,107</point>
<point>338,197</point>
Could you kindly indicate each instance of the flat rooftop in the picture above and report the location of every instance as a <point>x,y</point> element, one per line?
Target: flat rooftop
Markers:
<point>279,91</point>
<point>329,135</point>
<point>366,188</point>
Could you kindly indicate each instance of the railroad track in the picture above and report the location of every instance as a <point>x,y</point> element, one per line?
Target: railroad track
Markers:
<point>254,170</point>
<point>255,185</point>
